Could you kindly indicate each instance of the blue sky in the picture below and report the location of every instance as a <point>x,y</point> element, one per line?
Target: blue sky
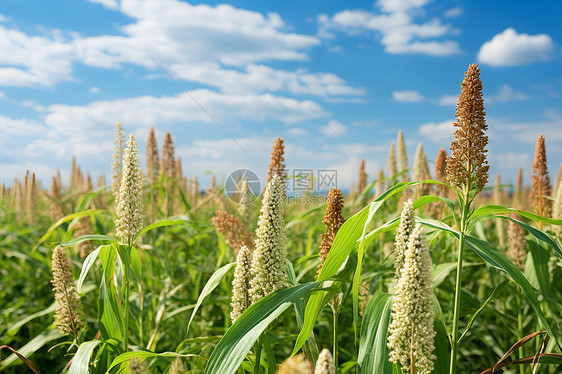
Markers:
<point>336,79</point>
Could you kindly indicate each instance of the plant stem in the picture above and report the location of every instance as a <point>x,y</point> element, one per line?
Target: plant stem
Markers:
<point>336,320</point>
<point>258,355</point>
<point>520,328</point>
<point>126,301</point>
<point>455,338</point>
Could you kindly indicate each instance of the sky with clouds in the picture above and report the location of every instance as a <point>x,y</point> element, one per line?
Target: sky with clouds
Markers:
<point>337,80</point>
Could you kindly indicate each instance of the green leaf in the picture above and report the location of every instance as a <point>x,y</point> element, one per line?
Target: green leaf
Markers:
<point>84,238</point>
<point>310,348</point>
<point>81,359</point>
<point>239,338</point>
<point>123,359</point>
<point>13,329</point>
<point>33,345</point>
<point>88,262</point>
<point>212,283</point>
<point>373,349</point>
<point>494,294</point>
<point>64,219</point>
<point>538,234</point>
<point>499,261</point>
<point>169,222</point>
<point>499,209</point>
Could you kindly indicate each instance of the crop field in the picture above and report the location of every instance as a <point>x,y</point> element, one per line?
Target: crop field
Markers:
<point>410,271</point>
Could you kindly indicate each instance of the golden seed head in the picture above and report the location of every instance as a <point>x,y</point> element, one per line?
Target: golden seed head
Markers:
<point>467,165</point>
<point>116,164</point>
<point>391,162</point>
<point>167,162</point>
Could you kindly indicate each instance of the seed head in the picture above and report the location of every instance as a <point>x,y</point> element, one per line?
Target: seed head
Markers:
<point>402,157</point>
<point>269,258</point>
<point>68,315</point>
<point>276,165</point>
<point>167,162</point>
<point>333,220</point>
<point>325,363</point>
<point>391,162</point>
<point>380,185</point>
<point>516,242</point>
<point>233,230</point>
<point>411,330</point>
<point>241,284</point>
<point>294,365</point>
<point>540,181</point>
<point>116,164</point>
<point>130,210</point>
<point>467,165</point>
<point>407,222</point>
<point>152,159</point>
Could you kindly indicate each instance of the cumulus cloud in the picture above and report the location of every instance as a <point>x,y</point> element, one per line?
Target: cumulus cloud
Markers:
<point>407,96</point>
<point>397,26</point>
<point>260,78</point>
<point>453,12</point>
<point>333,129</point>
<point>448,100</point>
<point>509,48</point>
<point>506,93</point>
<point>437,132</point>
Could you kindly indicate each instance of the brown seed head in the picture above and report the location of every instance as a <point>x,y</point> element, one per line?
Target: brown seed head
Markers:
<point>467,166</point>
<point>152,158</point>
<point>516,241</point>
<point>362,184</point>
<point>391,162</point>
<point>276,165</point>
<point>233,230</point>
<point>333,220</point>
<point>168,163</point>
<point>540,181</point>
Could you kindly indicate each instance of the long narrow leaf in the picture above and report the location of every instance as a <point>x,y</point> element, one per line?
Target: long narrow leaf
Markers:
<point>238,340</point>
<point>212,283</point>
<point>81,359</point>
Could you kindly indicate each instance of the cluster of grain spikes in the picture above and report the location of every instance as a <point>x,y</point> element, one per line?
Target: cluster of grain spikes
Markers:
<point>540,182</point>
<point>233,230</point>
<point>411,331</point>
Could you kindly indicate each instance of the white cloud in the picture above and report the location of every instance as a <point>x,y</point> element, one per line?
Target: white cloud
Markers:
<point>33,60</point>
<point>261,78</point>
<point>94,89</point>
<point>148,110</point>
<point>396,24</point>
<point>333,129</point>
<point>2,95</point>
<point>448,100</point>
<point>171,32</point>
<point>175,31</point>
<point>407,96</point>
<point>438,132</point>
<point>453,12</point>
<point>506,93</point>
<point>401,5</point>
<point>510,48</point>
<point>110,4</point>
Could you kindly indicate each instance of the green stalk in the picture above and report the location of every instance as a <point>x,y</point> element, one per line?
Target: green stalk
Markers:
<point>126,302</point>
<point>258,355</point>
<point>520,328</point>
<point>455,338</point>
<point>335,355</point>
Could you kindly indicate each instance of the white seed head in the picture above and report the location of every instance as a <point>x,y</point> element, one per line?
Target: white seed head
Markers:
<point>268,270</point>
<point>130,210</point>
<point>412,309</point>
<point>325,363</point>
<point>116,164</point>
<point>241,284</point>
<point>407,222</point>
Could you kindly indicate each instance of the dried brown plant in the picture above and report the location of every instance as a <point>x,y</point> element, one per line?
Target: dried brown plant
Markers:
<point>467,166</point>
